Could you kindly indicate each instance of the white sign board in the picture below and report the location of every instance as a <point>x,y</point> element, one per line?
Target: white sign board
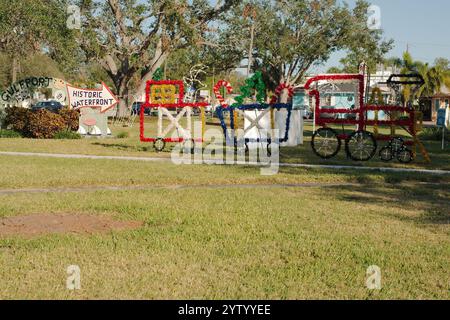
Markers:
<point>102,98</point>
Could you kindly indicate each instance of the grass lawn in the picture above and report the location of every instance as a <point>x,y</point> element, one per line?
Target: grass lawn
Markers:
<point>223,232</point>
<point>231,234</point>
<point>131,146</point>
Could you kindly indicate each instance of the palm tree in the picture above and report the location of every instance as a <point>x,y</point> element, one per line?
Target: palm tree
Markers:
<point>435,77</point>
<point>447,78</point>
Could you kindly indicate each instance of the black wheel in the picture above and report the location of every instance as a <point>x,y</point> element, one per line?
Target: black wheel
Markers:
<point>386,154</point>
<point>405,156</point>
<point>326,143</point>
<point>361,146</point>
<point>159,144</point>
<point>396,144</point>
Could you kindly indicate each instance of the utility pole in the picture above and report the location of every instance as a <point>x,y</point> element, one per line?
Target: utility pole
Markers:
<point>213,84</point>
<point>165,70</point>
<point>14,70</point>
<point>250,11</point>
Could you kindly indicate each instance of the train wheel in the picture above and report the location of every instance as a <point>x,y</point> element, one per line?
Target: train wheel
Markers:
<point>159,144</point>
<point>396,144</point>
<point>361,146</point>
<point>326,143</point>
<point>405,156</point>
<point>386,154</point>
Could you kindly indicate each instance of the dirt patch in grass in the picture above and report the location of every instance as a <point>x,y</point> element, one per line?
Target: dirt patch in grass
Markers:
<point>41,224</point>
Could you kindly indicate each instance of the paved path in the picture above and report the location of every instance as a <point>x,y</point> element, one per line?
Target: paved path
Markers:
<point>170,187</point>
<point>291,165</point>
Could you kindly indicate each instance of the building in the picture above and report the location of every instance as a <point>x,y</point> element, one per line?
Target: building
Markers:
<point>440,101</point>
<point>430,105</point>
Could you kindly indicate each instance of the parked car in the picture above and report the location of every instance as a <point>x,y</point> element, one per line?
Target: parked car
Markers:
<point>136,109</point>
<point>307,114</point>
<point>50,105</point>
<point>328,115</point>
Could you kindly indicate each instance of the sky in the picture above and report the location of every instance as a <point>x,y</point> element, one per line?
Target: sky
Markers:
<point>422,25</point>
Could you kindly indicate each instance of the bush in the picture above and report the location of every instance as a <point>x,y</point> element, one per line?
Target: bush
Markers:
<point>122,135</point>
<point>9,134</point>
<point>67,135</point>
<point>2,116</point>
<point>71,118</point>
<point>44,124</point>
<point>17,119</point>
<point>433,134</point>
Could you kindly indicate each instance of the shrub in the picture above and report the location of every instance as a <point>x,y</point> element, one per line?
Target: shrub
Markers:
<point>44,124</point>
<point>2,116</point>
<point>433,134</point>
<point>67,134</point>
<point>17,119</point>
<point>122,135</point>
<point>71,118</point>
<point>9,134</point>
<point>41,124</point>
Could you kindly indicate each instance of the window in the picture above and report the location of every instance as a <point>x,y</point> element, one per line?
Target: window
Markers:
<point>437,104</point>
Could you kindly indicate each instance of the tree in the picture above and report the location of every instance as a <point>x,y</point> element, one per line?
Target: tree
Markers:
<point>434,76</point>
<point>29,27</point>
<point>363,43</point>
<point>443,63</point>
<point>131,38</point>
<point>292,36</point>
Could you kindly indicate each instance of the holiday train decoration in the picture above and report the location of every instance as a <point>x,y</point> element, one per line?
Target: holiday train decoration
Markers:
<point>167,95</point>
<point>361,145</point>
<point>216,89</point>
<point>254,84</point>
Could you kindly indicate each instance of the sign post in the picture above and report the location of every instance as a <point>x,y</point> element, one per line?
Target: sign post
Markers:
<point>93,104</point>
<point>92,98</point>
<point>441,123</point>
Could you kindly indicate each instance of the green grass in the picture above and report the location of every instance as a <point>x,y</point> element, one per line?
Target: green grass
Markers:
<point>125,142</point>
<point>67,135</point>
<point>9,134</point>
<point>228,233</point>
<point>256,242</point>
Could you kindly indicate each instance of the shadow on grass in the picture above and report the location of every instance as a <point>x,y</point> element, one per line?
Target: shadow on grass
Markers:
<point>369,176</point>
<point>304,154</point>
<point>432,199</point>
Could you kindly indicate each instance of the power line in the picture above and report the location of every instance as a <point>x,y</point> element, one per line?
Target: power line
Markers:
<point>424,44</point>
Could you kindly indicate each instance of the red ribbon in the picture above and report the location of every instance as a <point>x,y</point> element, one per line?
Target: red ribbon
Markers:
<point>279,90</point>
<point>217,87</point>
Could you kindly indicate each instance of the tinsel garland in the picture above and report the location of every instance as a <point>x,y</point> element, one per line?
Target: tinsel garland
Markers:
<point>251,107</point>
<point>216,89</point>
<point>158,75</point>
<point>254,83</point>
<point>161,94</point>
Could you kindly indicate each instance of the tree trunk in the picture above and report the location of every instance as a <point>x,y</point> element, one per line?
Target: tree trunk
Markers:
<point>158,63</point>
<point>14,70</point>
<point>284,96</point>
<point>122,110</point>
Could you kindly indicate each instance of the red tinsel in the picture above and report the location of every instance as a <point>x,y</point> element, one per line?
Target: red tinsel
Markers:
<point>180,104</point>
<point>362,122</point>
<point>279,90</point>
<point>220,84</point>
